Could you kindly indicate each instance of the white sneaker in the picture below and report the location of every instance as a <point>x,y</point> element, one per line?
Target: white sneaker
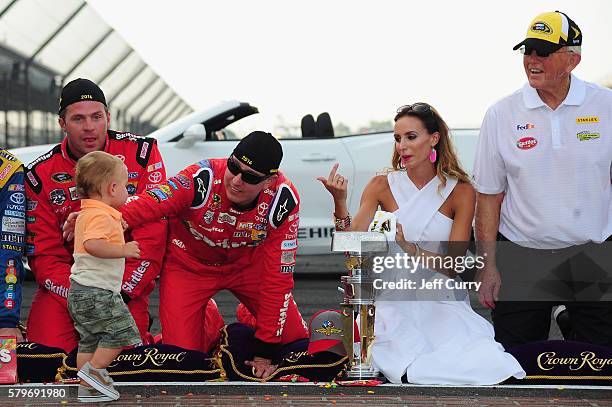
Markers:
<point>99,379</point>
<point>88,394</point>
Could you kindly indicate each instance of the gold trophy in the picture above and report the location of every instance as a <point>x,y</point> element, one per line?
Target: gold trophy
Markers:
<point>358,304</point>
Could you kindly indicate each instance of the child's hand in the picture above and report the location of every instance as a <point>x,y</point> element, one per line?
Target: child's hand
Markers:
<point>131,250</point>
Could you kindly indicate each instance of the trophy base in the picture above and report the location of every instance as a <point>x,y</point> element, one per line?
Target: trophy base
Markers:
<point>363,372</point>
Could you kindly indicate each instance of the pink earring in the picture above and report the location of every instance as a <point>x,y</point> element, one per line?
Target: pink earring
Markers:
<point>433,155</point>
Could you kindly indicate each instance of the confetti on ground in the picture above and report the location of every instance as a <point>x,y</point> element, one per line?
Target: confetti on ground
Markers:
<point>370,391</point>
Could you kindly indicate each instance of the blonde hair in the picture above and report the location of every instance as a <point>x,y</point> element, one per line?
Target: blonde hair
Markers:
<point>93,170</point>
<point>447,165</point>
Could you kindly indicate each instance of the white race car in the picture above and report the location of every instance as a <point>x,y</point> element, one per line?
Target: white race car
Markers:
<point>203,134</point>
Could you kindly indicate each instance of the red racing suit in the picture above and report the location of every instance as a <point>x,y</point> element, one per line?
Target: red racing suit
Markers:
<point>214,246</point>
<point>51,193</point>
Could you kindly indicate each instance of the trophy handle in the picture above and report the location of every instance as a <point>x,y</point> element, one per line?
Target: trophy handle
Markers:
<point>347,327</point>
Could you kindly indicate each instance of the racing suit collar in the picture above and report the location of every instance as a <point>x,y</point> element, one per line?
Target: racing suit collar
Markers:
<point>68,155</point>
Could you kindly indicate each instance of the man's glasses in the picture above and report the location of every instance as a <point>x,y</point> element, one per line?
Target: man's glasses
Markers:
<point>526,50</point>
<point>247,177</point>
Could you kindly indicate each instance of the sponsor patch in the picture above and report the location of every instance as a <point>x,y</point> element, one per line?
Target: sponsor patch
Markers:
<point>16,187</point>
<point>6,171</point>
<point>133,175</point>
<point>226,218</point>
<point>131,189</point>
<point>155,177</point>
<point>288,244</point>
<point>262,208</point>
<point>13,225</point>
<point>587,135</point>
<point>121,157</point>
<point>526,143</point>
<point>17,198</point>
<point>144,149</point>
<point>152,195</point>
<point>32,179</point>
<point>128,135</point>
<point>57,196</point>
<point>17,214</point>
<point>6,155</point>
<point>167,190</point>
<point>526,126</point>
<point>201,182</point>
<point>154,167</point>
<point>287,269</point>
<point>242,234</point>
<point>213,229</point>
<point>14,248</point>
<point>183,180</point>
<point>160,194</point>
<point>288,257</point>
<point>216,203</point>
<point>258,235</point>
<point>284,203</point>
<point>74,196</point>
<point>540,27</point>
<point>244,225</point>
<point>32,205</point>
<point>208,217</point>
<point>172,184</point>
<point>178,243</point>
<point>587,119</point>
<point>12,238</point>
<point>61,177</point>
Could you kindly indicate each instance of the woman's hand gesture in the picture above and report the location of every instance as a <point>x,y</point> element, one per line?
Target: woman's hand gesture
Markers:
<point>336,184</point>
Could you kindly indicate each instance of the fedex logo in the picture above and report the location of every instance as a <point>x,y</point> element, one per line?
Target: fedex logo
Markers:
<point>527,126</point>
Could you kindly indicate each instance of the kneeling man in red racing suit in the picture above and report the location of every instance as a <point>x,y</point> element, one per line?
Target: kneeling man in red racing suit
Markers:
<point>233,225</point>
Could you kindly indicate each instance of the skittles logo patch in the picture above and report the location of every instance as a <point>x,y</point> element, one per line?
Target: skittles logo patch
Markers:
<point>526,143</point>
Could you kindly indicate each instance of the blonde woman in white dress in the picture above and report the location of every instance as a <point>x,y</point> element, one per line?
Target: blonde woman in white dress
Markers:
<point>431,338</point>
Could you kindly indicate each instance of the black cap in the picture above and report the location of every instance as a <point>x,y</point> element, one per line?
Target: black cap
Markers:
<point>80,90</point>
<point>260,151</point>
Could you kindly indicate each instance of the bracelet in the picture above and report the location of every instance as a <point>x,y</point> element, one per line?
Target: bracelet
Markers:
<point>342,223</point>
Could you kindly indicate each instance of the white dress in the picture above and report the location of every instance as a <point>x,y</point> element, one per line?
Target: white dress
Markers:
<point>439,341</point>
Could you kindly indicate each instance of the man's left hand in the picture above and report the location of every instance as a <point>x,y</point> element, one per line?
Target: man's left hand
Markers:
<point>261,367</point>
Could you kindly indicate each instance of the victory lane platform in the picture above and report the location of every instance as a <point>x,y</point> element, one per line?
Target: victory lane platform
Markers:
<point>316,394</point>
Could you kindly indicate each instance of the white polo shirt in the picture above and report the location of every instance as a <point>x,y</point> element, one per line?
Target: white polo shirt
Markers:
<point>555,166</point>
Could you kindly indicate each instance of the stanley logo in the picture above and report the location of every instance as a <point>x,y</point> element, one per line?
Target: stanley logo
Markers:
<point>588,119</point>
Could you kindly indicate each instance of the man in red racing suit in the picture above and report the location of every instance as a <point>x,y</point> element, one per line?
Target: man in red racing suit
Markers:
<point>230,228</point>
<point>51,193</point>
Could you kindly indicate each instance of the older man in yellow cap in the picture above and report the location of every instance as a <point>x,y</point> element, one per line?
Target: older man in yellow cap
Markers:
<point>543,174</point>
